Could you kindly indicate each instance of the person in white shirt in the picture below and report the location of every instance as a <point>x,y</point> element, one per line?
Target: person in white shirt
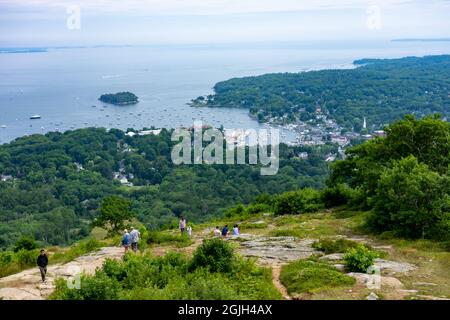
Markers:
<point>236,230</point>
<point>217,232</point>
<point>189,231</point>
<point>134,237</point>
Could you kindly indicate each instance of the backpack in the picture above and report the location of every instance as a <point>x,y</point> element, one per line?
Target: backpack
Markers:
<point>125,239</point>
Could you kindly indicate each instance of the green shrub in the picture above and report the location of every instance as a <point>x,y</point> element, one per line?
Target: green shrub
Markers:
<point>238,210</point>
<point>169,277</point>
<point>25,243</point>
<point>412,201</point>
<point>264,198</point>
<point>329,246</point>
<point>214,254</point>
<point>341,194</point>
<point>296,202</point>
<point>258,208</point>
<point>359,258</point>
<point>445,245</point>
<point>98,287</point>
<point>27,258</point>
<point>10,264</point>
<point>308,276</point>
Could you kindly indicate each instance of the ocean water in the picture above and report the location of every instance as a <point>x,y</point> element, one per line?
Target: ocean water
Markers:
<point>63,84</point>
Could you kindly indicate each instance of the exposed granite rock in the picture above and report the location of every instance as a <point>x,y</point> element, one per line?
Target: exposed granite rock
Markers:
<point>333,256</point>
<point>275,250</point>
<point>27,285</point>
<point>388,266</point>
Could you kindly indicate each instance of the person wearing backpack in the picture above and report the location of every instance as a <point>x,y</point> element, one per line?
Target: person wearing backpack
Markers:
<point>134,237</point>
<point>225,231</point>
<point>126,240</point>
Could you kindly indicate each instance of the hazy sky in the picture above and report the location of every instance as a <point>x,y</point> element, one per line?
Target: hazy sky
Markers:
<point>54,22</point>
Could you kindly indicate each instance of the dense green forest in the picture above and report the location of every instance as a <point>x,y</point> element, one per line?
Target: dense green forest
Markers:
<point>380,90</point>
<point>120,98</point>
<point>55,182</point>
<point>403,179</point>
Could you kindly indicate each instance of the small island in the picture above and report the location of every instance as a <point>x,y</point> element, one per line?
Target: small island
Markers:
<point>120,98</point>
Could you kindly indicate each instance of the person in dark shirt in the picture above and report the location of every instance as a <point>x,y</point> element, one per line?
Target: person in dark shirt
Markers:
<point>225,231</point>
<point>42,262</point>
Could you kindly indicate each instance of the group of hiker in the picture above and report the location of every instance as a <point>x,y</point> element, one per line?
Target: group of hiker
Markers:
<point>182,226</point>
<point>131,239</point>
<point>225,232</point>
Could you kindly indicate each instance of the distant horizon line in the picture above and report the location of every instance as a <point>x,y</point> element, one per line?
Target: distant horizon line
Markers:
<point>43,48</point>
<point>23,47</point>
<point>421,39</point>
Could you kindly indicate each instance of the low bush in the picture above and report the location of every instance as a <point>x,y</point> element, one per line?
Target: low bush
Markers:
<point>98,287</point>
<point>258,208</point>
<point>329,246</point>
<point>309,276</point>
<point>25,243</point>
<point>171,277</point>
<point>242,211</point>
<point>359,258</point>
<point>156,237</point>
<point>216,255</point>
<point>297,202</point>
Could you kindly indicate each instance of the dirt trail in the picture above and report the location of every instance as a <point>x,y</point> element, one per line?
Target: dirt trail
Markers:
<point>276,270</point>
<point>27,285</point>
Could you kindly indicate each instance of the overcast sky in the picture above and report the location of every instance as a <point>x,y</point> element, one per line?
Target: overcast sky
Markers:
<point>117,22</point>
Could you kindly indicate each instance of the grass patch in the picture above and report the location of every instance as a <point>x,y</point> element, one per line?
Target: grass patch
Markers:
<point>251,225</point>
<point>79,249</point>
<point>157,237</point>
<point>309,276</point>
<point>287,233</point>
<point>329,246</point>
<point>311,229</point>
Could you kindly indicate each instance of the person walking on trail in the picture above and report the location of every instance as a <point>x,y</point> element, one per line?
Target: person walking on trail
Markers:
<point>182,225</point>
<point>42,262</point>
<point>126,240</point>
<point>225,231</point>
<point>134,237</point>
<point>189,231</point>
